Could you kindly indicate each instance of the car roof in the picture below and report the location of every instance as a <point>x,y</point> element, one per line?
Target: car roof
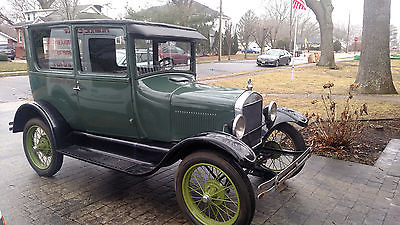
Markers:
<point>140,29</point>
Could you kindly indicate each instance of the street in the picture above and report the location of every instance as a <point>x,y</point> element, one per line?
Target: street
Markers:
<point>16,88</point>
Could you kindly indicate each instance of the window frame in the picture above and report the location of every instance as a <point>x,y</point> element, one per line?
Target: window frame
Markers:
<point>36,65</point>
<point>82,74</point>
<point>192,66</point>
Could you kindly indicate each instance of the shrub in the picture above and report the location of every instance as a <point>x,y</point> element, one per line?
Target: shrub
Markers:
<point>337,46</point>
<point>3,57</point>
<point>336,131</point>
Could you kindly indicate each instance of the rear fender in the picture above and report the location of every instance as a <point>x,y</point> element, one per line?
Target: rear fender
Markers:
<point>215,141</point>
<point>58,126</point>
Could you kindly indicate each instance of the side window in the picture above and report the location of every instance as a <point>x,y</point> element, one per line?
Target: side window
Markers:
<point>102,50</point>
<point>160,56</point>
<point>52,48</point>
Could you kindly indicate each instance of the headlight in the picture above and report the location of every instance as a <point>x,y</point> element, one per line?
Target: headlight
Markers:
<point>239,126</point>
<point>270,112</point>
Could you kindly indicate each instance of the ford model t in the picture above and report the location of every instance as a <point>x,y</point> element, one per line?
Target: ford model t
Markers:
<point>123,95</point>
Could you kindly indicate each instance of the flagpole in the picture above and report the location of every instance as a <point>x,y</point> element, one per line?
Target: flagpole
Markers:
<point>294,45</point>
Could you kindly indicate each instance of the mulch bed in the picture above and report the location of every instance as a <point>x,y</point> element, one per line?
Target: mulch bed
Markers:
<point>367,148</point>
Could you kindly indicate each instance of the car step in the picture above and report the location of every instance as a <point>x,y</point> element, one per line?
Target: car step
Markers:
<point>109,160</point>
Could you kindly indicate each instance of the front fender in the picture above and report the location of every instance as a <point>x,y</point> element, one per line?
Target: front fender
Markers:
<point>289,115</point>
<point>215,141</point>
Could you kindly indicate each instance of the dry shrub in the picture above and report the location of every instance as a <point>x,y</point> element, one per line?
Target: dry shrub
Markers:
<point>336,131</point>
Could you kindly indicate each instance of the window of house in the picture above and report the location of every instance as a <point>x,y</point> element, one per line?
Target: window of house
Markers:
<point>102,50</point>
<point>52,48</point>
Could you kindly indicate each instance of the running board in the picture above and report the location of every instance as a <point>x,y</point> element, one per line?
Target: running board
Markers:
<point>109,160</point>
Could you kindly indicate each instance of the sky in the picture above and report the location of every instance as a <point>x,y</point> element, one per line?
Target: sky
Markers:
<point>236,8</point>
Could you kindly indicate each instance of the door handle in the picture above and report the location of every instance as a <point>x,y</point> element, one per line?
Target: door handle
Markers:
<point>76,88</point>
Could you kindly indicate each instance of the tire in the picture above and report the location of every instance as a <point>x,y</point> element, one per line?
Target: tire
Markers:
<point>292,140</point>
<point>288,62</point>
<point>277,63</point>
<point>206,200</point>
<point>41,156</point>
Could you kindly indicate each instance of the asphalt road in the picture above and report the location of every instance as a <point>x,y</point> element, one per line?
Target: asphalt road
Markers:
<point>17,87</point>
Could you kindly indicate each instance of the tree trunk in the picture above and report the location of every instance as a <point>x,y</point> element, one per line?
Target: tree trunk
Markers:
<point>323,11</point>
<point>374,73</point>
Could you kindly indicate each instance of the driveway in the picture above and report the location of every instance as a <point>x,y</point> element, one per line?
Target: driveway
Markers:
<point>327,191</point>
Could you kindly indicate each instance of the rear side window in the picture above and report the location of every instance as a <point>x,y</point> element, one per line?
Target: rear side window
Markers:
<point>52,47</point>
<point>102,50</point>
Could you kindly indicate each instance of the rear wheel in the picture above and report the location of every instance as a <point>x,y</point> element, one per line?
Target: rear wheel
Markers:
<point>212,190</point>
<point>39,148</point>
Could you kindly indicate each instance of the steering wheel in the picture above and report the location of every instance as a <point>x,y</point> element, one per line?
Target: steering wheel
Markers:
<point>167,63</point>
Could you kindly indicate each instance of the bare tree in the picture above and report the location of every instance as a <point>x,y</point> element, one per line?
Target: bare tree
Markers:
<point>67,8</point>
<point>45,4</point>
<point>19,6</point>
<point>277,12</point>
<point>262,31</point>
<point>4,17</point>
<point>323,11</point>
<point>229,39</point>
<point>374,74</point>
<point>246,29</point>
<point>393,36</point>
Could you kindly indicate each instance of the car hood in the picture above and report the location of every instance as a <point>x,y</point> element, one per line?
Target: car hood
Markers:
<point>268,57</point>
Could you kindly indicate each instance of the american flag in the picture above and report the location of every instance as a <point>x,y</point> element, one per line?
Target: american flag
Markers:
<point>299,4</point>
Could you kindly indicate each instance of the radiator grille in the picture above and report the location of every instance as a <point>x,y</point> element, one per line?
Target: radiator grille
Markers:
<point>252,112</point>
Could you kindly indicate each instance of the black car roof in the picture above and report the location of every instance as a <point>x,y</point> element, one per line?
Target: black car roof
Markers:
<point>139,28</point>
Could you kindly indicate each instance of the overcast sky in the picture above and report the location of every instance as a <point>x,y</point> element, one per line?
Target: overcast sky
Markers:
<point>236,8</point>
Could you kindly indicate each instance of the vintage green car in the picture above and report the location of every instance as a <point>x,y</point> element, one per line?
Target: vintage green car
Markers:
<point>123,95</point>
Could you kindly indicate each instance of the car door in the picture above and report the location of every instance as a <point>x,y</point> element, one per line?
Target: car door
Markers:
<point>53,76</point>
<point>103,84</point>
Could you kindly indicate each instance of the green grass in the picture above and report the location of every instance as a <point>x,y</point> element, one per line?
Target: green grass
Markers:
<point>12,66</point>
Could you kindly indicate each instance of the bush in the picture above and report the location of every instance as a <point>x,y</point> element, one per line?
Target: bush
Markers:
<point>336,132</point>
<point>337,46</point>
<point>3,57</point>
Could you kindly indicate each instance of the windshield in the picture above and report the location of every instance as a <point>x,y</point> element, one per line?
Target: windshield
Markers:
<point>273,52</point>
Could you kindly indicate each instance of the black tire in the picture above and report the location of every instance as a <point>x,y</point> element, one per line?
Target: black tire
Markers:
<point>296,140</point>
<point>241,187</point>
<point>277,63</point>
<point>56,159</point>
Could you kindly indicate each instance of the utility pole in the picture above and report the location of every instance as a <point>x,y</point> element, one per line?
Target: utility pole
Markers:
<point>290,25</point>
<point>348,35</point>
<point>220,31</point>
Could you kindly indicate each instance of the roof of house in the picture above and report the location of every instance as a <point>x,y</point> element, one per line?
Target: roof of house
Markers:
<point>83,12</point>
<point>8,37</point>
<point>9,31</point>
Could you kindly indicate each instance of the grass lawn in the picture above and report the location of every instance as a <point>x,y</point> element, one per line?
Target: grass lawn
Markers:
<point>12,66</point>
<point>306,80</point>
<point>309,80</point>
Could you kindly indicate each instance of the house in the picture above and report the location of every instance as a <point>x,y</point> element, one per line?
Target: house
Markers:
<point>45,15</point>
<point>7,35</point>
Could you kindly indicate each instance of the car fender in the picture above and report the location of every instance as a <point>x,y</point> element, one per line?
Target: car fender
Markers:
<point>284,115</point>
<point>58,126</point>
<point>216,141</point>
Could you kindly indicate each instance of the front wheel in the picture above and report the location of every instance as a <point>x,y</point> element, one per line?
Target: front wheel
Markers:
<point>39,148</point>
<point>212,190</point>
<point>282,137</point>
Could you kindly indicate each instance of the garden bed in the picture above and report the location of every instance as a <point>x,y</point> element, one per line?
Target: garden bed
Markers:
<point>367,148</point>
